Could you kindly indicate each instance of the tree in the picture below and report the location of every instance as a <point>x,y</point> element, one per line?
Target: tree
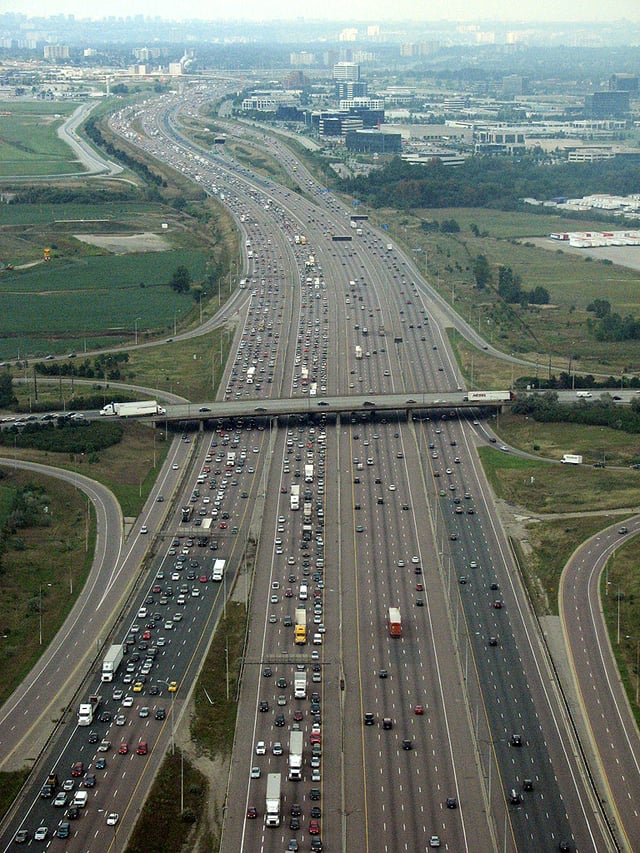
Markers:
<point>7,397</point>
<point>482,272</point>
<point>181,279</point>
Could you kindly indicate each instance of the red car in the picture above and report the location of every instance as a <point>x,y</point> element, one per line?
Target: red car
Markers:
<point>77,769</point>
<point>203,578</point>
<point>146,635</point>
<point>418,709</point>
<point>157,588</point>
<point>497,604</point>
<point>252,813</point>
<point>297,716</point>
<point>420,587</point>
<point>315,738</point>
<point>314,827</point>
<point>124,749</point>
<point>143,748</point>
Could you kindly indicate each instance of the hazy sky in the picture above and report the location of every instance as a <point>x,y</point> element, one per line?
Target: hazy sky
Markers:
<point>370,11</point>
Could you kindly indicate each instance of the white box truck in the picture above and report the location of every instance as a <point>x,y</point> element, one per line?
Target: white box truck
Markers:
<point>111,662</point>
<point>308,473</point>
<point>218,570</point>
<point>294,497</point>
<point>272,804</point>
<point>296,742</point>
<point>571,459</point>
<point>300,685</point>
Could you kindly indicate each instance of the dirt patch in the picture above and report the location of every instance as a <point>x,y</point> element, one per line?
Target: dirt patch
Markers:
<point>123,244</point>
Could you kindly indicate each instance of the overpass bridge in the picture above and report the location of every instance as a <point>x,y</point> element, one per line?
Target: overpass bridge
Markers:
<point>350,403</point>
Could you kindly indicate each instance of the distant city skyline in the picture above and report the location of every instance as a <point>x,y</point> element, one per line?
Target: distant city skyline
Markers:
<point>360,11</point>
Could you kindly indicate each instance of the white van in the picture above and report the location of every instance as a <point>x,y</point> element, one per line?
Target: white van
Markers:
<point>80,799</point>
<point>304,592</point>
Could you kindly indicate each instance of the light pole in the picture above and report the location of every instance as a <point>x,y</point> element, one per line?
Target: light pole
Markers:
<point>173,731</point>
<point>135,328</point>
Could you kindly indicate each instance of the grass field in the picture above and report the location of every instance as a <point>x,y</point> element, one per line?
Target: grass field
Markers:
<point>559,331</point>
<point>29,145</point>
<point>43,571</point>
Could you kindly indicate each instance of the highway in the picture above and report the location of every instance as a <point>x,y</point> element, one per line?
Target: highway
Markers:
<point>384,521</point>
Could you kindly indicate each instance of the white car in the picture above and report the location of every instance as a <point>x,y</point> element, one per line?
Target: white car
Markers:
<point>41,833</point>
<point>112,818</point>
<point>261,749</point>
<point>127,702</point>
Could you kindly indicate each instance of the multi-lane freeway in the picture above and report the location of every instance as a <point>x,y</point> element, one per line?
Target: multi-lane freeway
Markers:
<point>453,733</point>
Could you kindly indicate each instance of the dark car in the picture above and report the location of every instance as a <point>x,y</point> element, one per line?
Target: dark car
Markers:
<point>407,743</point>
<point>101,763</point>
<point>314,794</point>
<point>369,718</point>
<point>89,780</point>
<point>93,737</point>
<point>72,813</point>
<point>264,706</point>
<point>296,810</point>
<point>452,803</point>
<point>64,830</point>
<point>160,714</point>
<point>105,717</point>
<point>294,823</point>
<point>279,720</point>
<point>516,740</point>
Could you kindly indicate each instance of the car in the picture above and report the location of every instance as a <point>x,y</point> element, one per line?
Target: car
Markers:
<point>46,792</point>
<point>261,748</point>
<point>142,748</point>
<point>407,743</point>
<point>314,827</point>
<point>101,763</point>
<point>294,823</point>
<point>21,836</point>
<point>497,604</point>
<point>462,579</point>
<point>492,641</point>
<point>89,780</point>
<point>77,769</point>
<point>383,673</point>
<point>451,803</point>
<point>154,690</point>
<point>267,672</point>
<point>127,702</point>
<point>121,720</point>
<point>138,687</point>
<point>204,409</point>
<point>387,723</point>
<point>276,749</point>
<point>314,794</point>
<point>60,800</point>
<point>72,813</point>
<point>41,833</point>
<point>105,717</point>
<point>68,785</point>
<point>293,845</point>
<point>316,845</point>
<point>516,740</point>
<point>622,530</point>
<point>252,813</point>
<point>263,707</point>
<point>105,745</point>
<point>123,749</point>
<point>281,683</point>
<point>419,602</point>
<point>160,714</point>
<point>112,818</point>
<point>64,830</point>
<point>369,718</point>
<point>279,720</point>
<point>173,686</point>
<point>144,529</point>
<point>315,775</point>
<point>93,737</point>
<point>564,846</point>
<point>117,694</point>
<point>418,709</point>
<point>434,841</point>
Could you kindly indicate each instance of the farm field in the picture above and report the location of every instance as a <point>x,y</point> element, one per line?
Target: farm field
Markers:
<point>75,304</point>
<point>29,145</point>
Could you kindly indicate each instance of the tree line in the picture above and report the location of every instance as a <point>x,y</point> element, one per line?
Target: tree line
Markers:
<point>498,182</point>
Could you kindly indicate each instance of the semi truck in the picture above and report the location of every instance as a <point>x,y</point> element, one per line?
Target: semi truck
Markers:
<point>308,473</point>
<point>307,533</point>
<point>272,803</point>
<point>251,372</point>
<point>300,685</point>
<point>112,661</point>
<point>296,745</point>
<point>488,396</point>
<point>87,710</point>
<point>218,570</point>
<point>358,351</point>
<point>313,389</point>
<point>133,410</point>
<point>294,497</point>
<point>395,623</point>
<point>231,459</point>
<point>571,459</point>
<point>300,636</point>
<point>186,514</point>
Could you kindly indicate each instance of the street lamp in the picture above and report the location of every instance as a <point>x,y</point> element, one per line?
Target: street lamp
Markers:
<point>135,328</point>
